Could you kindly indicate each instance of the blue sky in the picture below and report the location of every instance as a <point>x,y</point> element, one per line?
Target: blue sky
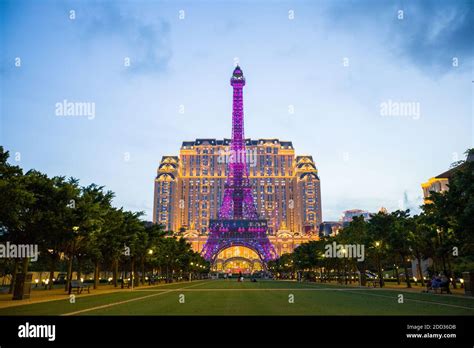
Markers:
<point>366,160</point>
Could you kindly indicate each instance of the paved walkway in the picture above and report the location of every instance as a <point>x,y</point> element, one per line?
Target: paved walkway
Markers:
<point>39,294</point>
<point>394,286</point>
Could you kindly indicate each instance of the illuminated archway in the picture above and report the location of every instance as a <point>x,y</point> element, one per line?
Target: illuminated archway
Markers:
<point>237,259</point>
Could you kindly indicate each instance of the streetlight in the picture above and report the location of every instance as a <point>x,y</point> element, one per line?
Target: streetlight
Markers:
<point>75,230</point>
<point>379,266</point>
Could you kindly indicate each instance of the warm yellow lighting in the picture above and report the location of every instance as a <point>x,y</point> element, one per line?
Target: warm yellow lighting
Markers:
<point>150,252</point>
<point>75,228</point>
<point>377,244</point>
<point>82,280</point>
<point>110,279</point>
<point>414,278</point>
<point>461,281</point>
<point>192,264</point>
<point>36,281</point>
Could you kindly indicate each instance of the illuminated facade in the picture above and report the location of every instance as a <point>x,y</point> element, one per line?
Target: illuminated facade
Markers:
<point>436,184</point>
<point>286,188</point>
<point>440,183</point>
<point>239,187</point>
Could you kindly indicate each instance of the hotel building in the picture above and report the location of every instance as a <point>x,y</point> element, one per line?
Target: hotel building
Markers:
<point>286,190</point>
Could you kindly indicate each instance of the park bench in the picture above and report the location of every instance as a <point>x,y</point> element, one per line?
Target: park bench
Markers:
<point>79,286</point>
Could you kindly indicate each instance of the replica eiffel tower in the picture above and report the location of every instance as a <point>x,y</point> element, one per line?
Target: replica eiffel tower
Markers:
<point>238,223</point>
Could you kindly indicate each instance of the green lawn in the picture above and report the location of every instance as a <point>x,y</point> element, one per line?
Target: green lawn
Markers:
<point>229,297</point>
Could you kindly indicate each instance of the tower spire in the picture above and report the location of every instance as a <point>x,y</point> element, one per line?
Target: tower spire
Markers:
<point>238,201</point>
<point>238,222</point>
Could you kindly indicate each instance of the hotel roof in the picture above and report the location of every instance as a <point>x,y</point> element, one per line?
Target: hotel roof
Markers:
<point>248,141</point>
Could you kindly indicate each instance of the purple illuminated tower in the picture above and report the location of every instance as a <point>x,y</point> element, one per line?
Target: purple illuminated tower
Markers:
<point>238,223</point>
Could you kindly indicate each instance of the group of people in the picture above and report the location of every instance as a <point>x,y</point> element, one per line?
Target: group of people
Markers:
<point>240,278</point>
<point>438,283</point>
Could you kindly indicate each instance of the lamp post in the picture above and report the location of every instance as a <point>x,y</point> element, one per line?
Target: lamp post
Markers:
<point>75,231</point>
<point>379,266</point>
<point>191,271</point>
<point>344,251</point>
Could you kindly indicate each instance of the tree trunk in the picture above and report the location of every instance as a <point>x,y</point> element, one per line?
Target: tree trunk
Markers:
<point>444,265</point>
<point>69,274</point>
<point>114,272</point>
<point>79,268</point>
<point>397,274</point>
<point>143,270</point>
<point>96,274</point>
<point>420,271</point>
<point>132,271</point>
<point>380,272</point>
<point>451,276</point>
<point>15,271</point>
<point>123,275</point>
<point>345,271</point>
<point>407,276</point>
<point>51,271</point>
<point>363,278</point>
<point>25,264</point>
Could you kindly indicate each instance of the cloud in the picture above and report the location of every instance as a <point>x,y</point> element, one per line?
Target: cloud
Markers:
<point>430,34</point>
<point>146,36</point>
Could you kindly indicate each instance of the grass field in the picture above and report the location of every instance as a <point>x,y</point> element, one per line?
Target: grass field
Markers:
<point>229,297</point>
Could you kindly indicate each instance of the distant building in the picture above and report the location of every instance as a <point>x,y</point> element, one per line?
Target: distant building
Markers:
<point>329,228</point>
<point>348,215</point>
<point>440,182</point>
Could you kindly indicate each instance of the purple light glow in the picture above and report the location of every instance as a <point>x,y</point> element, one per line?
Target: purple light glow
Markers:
<point>238,223</point>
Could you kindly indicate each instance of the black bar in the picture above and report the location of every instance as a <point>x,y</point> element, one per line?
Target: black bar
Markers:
<point>239,330</point>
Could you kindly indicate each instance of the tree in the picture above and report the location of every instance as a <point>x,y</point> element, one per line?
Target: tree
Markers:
<point>357,233</point>
<point>379,229</point>
<point>398,238</point>
<point>15,200</point>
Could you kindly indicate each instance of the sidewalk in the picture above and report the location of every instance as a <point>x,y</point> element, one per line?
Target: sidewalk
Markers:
<point>39,294</point>
<point>394,286</point>
<point>418,288</point>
